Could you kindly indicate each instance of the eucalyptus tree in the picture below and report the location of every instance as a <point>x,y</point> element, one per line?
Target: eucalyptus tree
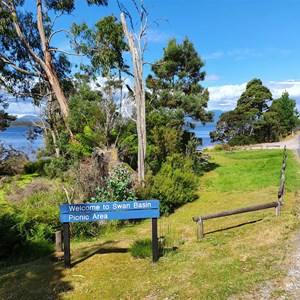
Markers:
<point>104,45</point>
<point>137,46</point>
<point>27,50</point>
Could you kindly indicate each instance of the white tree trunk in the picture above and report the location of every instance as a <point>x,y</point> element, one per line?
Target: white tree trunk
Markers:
<point>139,95</point>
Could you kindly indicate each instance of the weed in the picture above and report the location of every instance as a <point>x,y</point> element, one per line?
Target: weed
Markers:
<point>141,248</point>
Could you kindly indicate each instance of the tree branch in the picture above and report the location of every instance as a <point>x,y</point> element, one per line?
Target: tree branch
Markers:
<point>14,66</point>
<point>65,52</point>
<point>58,31</point>
<point>54,21</point>
<point>21,37</point>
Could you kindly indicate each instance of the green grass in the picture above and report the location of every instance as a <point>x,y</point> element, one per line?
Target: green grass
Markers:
<point>236,254</point>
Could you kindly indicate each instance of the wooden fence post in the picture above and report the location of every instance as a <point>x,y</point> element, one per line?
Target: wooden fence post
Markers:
<point>278,209</point>
<point>58,241</point>
<point>200,229</point>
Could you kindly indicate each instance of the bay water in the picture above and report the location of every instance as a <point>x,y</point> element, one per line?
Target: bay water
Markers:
<point>16,137</point>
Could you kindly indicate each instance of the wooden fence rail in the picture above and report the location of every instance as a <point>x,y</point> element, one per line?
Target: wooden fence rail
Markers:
<point>277,204</point>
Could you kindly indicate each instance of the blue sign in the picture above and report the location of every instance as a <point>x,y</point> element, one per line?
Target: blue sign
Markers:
<point>105,211</point>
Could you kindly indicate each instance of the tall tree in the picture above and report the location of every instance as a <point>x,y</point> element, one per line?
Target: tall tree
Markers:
<point>255,98</point>
<point>286,113</point>
<point>137,48</point>
<point>240,126</point>
<point>175,90</point>
<point>176,81</point>
<point>26,49</point>
<point>104,45</point>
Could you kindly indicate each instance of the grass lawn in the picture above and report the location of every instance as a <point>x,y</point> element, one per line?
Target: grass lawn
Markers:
<point>236,254</point>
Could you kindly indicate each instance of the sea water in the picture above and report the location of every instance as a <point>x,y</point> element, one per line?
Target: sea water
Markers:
<point>202,131</point>
<point>16,137</point>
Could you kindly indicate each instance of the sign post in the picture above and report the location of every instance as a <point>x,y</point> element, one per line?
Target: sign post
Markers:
<point>105,211</point>
<point>154,240</point>
<point>67,246</point>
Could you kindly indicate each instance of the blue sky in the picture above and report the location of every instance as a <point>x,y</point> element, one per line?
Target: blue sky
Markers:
<point>238,39</point>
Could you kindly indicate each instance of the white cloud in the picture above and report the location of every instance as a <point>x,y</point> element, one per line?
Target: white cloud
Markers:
<point>244,53</point>
<point>211,77</point>
<point>225,97</point>
<point>214,55</point>
<point>279,87</point>
<point>21,108</point>
<point>157,36</point>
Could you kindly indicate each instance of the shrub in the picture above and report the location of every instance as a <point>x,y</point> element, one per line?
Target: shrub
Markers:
<point>23,238</point>
<point>12,161</point>
<point>37,166</point>
<point>175,184</point>
<point>28,227</point>
<point>56,167</point>
<point>141,248</point>
<point>118,187</point>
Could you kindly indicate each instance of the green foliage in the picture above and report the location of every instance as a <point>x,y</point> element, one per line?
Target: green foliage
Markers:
<point>240,126</point>
<point>37,166</point>
<point>175,184</point>
<point>12,161</point>
<point>29,220</point>
<point>175,94</point>
<point>255,98</point>
<point>104,44</point>
<point>5,118</point>
<point>176,82</point>
<point>56,167</point>
<point>253,121</point>
<point>285,113</point>
<point>118,187</point>
<point>141,248</point>
<point>27,232</point>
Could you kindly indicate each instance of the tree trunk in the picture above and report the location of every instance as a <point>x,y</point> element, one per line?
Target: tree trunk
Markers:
<point>139,95</point>
<point>47,64</point>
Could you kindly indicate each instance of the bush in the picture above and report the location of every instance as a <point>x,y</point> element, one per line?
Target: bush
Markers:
<point>12,161</point>
<point>37,166</point>
<point>27,228</point>
<point>141,248</point>
<point>56,167</point>
<point>175,184</point>
<point>23,238</point>
<point>118,187</point>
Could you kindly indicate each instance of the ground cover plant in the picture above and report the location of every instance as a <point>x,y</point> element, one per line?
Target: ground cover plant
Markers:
<point>236,254</point>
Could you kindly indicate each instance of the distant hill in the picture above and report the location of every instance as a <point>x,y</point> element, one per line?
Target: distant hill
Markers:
<point>25,120</point>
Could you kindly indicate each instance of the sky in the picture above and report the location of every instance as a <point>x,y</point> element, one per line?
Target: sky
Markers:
<point>237,39</point>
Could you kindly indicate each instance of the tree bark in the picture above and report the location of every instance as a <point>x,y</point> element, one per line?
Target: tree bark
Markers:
<point>139,95</point>
<point>48,65</point>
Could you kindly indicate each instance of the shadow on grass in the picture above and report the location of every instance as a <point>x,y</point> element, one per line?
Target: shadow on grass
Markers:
<point>209,166</point>
<point>235,226</point>
<point>100,251</point>
<point>38,279</point>
<point>97,250</point>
